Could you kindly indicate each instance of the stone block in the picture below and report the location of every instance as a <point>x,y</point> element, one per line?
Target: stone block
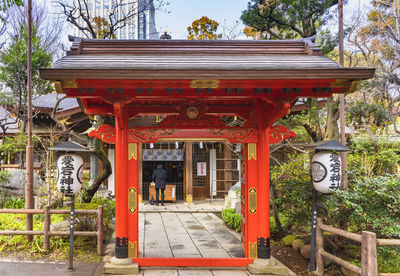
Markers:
<point>267,266</point>
<point>305,251</point>
<point>119,269</point>
<point>297,243</point>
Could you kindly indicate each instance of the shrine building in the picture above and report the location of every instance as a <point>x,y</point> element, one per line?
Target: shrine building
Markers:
<point>205,110</point>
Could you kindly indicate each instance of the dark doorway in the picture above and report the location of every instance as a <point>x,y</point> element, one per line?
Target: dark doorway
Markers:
<point>174,172</point>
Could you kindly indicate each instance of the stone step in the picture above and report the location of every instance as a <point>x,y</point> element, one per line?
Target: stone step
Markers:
<point>120,269</point>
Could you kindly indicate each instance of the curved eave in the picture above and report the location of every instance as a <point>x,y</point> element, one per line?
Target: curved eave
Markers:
<point>353,74</point>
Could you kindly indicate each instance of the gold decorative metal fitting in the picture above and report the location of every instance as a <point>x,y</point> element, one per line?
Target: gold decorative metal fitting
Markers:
<point>252,200</point>
<point>140,198</point>
<point>132,200</point>
<point>132,151</point>
<point>253,250</point>
<point>192,112</point>
<point>204,83</point>
<point>252,151</point>
<point>189,199</point>
<point>132,249</point>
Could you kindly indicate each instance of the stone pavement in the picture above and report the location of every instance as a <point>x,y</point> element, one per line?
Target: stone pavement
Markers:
<point>199,206</point>
<point>48,269</point>
<point>185,230</point>
<point>186,235</point>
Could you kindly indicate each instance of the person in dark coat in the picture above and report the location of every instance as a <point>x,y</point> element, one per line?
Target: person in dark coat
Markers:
<point>159,177</point>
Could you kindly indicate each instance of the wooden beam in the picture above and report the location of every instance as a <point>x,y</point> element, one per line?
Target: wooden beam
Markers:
<point>193,262</point>
<point>188,171</point>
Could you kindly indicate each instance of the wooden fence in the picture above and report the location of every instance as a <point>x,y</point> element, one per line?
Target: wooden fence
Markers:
<point>369,242</point>
<point>47,222</point>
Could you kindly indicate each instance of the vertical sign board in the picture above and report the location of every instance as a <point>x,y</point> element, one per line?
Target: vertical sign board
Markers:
<point>201,168</point>
<point>69,176</point>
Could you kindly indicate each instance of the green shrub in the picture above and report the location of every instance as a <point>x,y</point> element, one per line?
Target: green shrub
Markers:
<point>108,209</point>
<point>372,204</point>
<point>388,260</point>
<point>14,203</point>
<point>292,186</point>
<point>232,219</point>
<point>373,157</point>
<point>5,177</point>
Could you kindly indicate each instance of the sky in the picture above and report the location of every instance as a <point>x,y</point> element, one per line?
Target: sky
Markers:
<point>183,12</point>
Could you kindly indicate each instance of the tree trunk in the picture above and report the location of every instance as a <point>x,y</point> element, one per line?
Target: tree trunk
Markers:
<point>313,127</point>
<point>281,232</point>
<point>332,129</point>
<point>105,173</point>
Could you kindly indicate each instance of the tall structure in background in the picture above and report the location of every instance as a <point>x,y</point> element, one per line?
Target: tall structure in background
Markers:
<point>140,26</point>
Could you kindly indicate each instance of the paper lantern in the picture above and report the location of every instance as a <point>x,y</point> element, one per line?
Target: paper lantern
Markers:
<point>326,171</point>
<point>70,171</point>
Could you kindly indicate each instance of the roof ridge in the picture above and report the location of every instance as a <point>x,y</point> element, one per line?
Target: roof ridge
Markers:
<point>183,47</point>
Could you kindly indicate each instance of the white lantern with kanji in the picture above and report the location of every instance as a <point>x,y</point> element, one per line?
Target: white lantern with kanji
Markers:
<point>70,171</point>
<point>326,171</point>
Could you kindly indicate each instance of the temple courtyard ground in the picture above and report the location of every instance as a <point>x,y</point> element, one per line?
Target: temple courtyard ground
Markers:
<point>173,230</point>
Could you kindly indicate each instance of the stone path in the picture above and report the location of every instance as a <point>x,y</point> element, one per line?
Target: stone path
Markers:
<point>200,206</point>
<point>192,272</point>
<point>186,235</point>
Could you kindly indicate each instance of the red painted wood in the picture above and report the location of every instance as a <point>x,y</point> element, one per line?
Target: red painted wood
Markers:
<point>251,217</point>
<point>151,135</point>
<point>263,230</point>
<point>189,93</point>
<point>194,262</point>
<point>133,215</point>
<point>249,83</point>
<point>278,133</point>
<point>121,171</point>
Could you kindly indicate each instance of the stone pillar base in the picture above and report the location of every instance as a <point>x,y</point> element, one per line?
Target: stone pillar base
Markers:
<point>267,266</point>
<point>119,266</point>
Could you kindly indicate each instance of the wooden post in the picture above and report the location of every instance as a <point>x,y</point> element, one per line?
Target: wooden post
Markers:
<point>319,248</point>
<point>189,172</point>
<point>263,231</point>
<point>251,197</point>
<point>369,262</point>
<point>121,180</point>
<point>46,226</point>
<point>100,231</point>
<point>29,146</point>
<point>133,203</point>
<point>140,168</point>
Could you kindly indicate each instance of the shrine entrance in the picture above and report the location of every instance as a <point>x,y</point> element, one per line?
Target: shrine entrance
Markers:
<point>209,91</point>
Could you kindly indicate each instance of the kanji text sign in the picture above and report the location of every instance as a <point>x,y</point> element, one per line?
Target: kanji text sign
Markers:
<point>201,169</point>
<point>70,171</point>
<point>326,171</point>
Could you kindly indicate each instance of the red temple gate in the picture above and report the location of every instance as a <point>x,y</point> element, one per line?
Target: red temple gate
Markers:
<point>196,86</point>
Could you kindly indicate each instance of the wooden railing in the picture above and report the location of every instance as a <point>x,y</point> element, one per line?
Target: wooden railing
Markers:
<point>47,222</point>
<point>369,242</point>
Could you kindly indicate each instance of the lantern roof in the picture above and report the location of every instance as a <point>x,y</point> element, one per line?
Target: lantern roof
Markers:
<point>70,146</point>
<point>327,145</point>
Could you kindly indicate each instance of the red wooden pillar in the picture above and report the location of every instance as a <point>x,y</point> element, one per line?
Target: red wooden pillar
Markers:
<point>251,199</point>
<point>263,204</point>
<point>133,200</point>
<point>121,179</point>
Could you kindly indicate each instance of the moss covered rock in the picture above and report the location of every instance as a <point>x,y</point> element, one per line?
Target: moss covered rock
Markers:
<point>288,240</point>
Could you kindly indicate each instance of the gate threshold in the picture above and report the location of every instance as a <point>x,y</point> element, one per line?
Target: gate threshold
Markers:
<point>193,262</point>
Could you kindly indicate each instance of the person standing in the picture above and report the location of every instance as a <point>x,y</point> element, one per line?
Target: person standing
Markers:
<point>159,177</point>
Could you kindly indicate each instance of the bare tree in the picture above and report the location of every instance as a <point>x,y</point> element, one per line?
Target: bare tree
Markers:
<point>118,15</point>
<point>49,25</point>
<point>231,31</point>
